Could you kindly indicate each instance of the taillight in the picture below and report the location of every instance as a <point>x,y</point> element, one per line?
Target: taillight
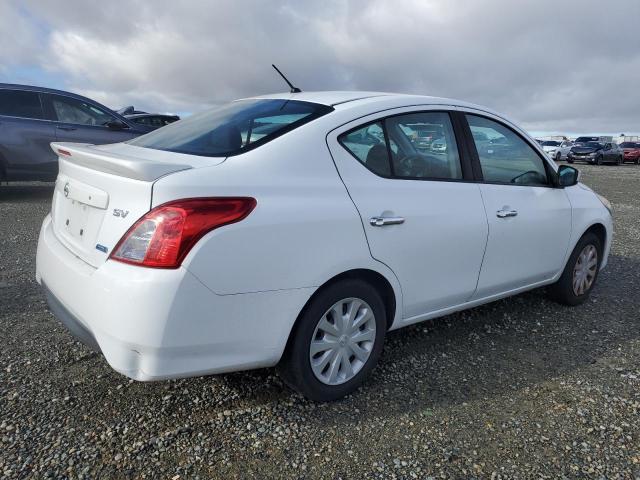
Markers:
<point>164,236</point>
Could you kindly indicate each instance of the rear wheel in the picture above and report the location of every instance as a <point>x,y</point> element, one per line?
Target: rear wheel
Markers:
<point>599,160</point>
<point>336,342</point>
<point>620,160</point>
<point>558,157</point>
<point>580,274</point>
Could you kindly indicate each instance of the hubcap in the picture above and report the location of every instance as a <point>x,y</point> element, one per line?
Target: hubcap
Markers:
<point>342,341</point>
<point>584,272</point>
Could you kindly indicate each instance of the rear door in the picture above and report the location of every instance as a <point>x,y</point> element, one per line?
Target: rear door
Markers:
<point>83,122</point>
<point>529,219</point>
<point>422,214</point>
<point>25,135</point>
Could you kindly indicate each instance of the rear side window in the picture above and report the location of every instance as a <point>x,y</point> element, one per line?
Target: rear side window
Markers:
<point>412,146</point>
<point>19,103</point>
<point>233,128</point>
<point>369,146</point>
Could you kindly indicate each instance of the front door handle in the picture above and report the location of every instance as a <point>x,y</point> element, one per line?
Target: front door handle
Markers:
<point>382,221</point>
<point>506,213</point>
<point>66,129</point>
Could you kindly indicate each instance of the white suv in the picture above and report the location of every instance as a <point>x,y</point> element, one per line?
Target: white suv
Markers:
<point>297,229</point>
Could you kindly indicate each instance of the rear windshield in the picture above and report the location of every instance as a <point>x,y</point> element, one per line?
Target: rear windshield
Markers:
<point>232,128</point>
<point>550,144</point>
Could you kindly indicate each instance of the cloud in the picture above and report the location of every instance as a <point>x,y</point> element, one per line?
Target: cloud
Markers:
<point>554,66</point>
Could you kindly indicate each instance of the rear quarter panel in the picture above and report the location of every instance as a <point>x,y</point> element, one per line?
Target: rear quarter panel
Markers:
<point>304,230</point>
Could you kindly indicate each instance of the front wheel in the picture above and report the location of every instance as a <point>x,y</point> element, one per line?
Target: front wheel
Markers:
<point>620,160</point>
<point>580,274</point>
<point>558,157</point>
<point>569,161</point>
<point>599,160</point>
<point>336,342</point>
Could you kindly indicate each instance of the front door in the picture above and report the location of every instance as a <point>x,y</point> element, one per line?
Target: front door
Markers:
<point>422,216</point>
<point>529,220</point>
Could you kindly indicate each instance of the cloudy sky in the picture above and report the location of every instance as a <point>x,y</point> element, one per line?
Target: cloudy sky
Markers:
<point>566,66</point>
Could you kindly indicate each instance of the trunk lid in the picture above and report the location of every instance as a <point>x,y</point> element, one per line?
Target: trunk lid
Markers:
<point>102,190</point>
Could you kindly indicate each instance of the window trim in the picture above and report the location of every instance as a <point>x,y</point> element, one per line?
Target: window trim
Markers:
<point>463,154</point>
<point>479,176</point>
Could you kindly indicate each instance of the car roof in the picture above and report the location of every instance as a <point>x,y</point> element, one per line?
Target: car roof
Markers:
<point>33,88</point>
<point>344,98</point>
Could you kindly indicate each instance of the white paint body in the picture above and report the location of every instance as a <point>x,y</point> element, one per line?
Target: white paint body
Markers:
<point>233,302</point>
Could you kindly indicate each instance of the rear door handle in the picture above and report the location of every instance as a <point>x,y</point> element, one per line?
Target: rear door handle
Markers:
<point>382,221</point>
<point>66,129</point>
<point>506,213</point>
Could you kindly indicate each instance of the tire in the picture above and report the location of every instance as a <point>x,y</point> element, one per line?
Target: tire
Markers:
<point>558,157</point>
<point>569,161</point>
<point>637,160</point>
<point>563,290</point>
<point>296,369</point>
<point>620,160</point>
<point>599,160</point>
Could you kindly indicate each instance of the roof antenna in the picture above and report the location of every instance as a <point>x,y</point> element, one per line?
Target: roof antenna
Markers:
<point>293,89</point>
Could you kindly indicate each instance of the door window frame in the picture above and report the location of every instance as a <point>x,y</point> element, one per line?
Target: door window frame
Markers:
<point>464,155</point>
<point>47,104</point>
<point>475,157</point>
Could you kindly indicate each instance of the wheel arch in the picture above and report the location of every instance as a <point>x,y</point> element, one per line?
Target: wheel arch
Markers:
<point>599,230</point>
<point>385,288</point>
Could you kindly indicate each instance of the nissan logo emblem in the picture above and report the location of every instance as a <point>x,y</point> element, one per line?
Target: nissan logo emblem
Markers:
<point>66,189</point>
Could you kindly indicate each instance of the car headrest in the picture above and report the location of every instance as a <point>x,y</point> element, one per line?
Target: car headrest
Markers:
<point>378,159</point>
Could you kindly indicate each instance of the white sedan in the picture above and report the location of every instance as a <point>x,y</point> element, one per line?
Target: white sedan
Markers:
<point>297,229</point>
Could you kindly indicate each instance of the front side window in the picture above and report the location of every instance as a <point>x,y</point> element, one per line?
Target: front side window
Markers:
<point>411,146</point>
<point>232,128</point>
<point>505,157</point>
<point>78,112</point>
<point>20,103</point>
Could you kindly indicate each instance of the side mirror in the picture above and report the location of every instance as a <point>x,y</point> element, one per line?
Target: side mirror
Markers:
<point>116,125</point>
<point>568,176</point>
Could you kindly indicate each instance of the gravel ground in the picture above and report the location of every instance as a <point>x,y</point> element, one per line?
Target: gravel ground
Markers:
<point>521,388</point>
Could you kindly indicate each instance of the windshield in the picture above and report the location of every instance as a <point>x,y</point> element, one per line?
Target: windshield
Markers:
<point>586,139</point>
<point>550,144</point>
<point>630,145</point>
<point>232,128</point>
<point>590,145</point>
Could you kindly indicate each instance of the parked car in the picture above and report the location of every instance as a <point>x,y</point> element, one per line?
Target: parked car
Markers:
<point>152,120</point>
<point>563,150</point>
<point>551,147</point>
<point>214,251</point>
<point>595,153</point>
<point>33,117</point>
<point>631,151</point>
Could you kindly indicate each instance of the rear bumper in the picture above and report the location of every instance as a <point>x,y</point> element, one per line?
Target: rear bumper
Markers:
<point>153,324</point>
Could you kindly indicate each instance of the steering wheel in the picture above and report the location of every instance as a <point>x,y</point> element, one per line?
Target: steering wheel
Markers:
<point>411,166</point>
<point>533,174</point>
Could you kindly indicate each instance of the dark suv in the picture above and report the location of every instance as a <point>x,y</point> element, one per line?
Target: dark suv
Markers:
<point>594,151</point>
<point>33,117</point>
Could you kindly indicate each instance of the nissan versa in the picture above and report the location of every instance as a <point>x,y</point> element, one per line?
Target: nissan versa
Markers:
<point>297,229</point>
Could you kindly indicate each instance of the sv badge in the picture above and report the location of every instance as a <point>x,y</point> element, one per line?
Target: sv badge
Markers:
<point>120,213</point>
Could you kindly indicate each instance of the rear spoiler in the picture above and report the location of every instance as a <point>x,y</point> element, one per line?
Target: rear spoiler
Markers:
<point>122,165</point>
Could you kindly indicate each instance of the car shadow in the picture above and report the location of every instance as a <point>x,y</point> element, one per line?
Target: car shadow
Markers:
<point>20,193</point>
<point>491,350</point>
